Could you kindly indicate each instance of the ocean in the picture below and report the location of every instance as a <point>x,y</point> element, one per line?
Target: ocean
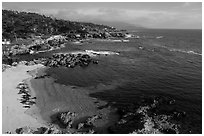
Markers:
<point>161,63</point>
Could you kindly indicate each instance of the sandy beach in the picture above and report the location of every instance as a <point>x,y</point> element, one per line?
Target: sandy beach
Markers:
<point>14,115</point>
<point>52,98</point>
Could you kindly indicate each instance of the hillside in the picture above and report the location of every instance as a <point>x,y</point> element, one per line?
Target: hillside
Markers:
<point>121,25</point>
<point>25,24</point>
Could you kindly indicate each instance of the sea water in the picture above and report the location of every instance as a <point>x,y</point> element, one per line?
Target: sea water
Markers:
<point>169,66</point>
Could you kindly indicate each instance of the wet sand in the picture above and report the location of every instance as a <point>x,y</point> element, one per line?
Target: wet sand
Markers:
<point>53,98</point>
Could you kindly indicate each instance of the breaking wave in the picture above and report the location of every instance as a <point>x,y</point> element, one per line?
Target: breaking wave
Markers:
<point>180,50</point>
<point>189,52</point>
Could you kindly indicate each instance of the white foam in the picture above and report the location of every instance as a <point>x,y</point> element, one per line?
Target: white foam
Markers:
<point>101,52</point>
<point>189,52</point>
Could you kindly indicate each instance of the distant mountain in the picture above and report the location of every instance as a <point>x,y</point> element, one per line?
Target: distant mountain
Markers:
<point>121,25</point>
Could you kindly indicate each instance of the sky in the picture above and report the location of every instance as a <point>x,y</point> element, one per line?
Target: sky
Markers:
<point>171,15</point>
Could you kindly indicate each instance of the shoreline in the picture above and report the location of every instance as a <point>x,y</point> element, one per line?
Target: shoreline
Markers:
<point>91,53</point>
<point>52,49</point>
<point>52,99</point>
<point>14,115</point>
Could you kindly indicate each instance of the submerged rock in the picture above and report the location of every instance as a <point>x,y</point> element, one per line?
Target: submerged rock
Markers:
<point>149,118</point>
<point>81,125</point>
<point>89,123</point>
<point>41,130</point>
<point>93,119</point>
<point>24,130</point>
<point>66,118</point>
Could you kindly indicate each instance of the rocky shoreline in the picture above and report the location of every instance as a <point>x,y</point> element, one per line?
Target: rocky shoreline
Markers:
<point>145,118</point>
<point>28,100</point>
<point>149,117</point>
<point>69,59</point>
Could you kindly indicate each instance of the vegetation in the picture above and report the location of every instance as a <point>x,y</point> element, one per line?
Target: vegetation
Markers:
<point>25,24</point>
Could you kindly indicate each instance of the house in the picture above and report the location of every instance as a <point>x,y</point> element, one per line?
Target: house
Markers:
<point>5,41</point>
<point>127,35</point>
<point>58,38</point>
<point>78,35</point>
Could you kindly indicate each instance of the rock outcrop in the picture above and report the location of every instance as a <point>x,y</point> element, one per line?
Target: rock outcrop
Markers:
<point>70,60</point>
<point>5,66</point>
<point>149,118</point>
<point>26,98</point>
<point>41,130</point>
<point>66,118</point>
<point>89,123</point>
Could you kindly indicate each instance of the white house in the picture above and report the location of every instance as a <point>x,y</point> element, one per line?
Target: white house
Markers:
<point>6,42</point>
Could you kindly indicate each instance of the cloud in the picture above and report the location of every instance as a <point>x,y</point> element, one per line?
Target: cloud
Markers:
<point>144,17</point>
<point>150,14</point>
<point>186,4</point>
